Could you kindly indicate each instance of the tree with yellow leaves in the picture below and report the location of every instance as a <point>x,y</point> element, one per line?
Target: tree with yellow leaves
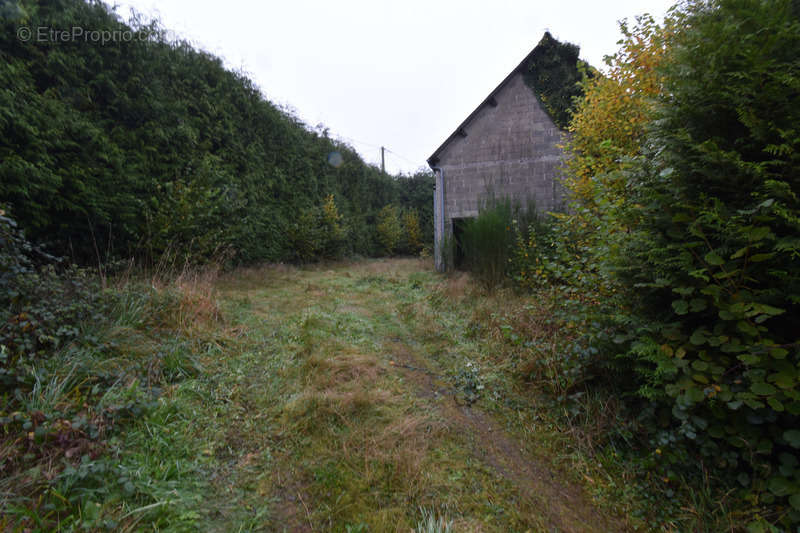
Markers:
<point>610,121</point>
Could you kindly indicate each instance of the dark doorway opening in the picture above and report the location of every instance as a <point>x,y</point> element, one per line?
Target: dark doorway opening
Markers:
<point>459,257</point>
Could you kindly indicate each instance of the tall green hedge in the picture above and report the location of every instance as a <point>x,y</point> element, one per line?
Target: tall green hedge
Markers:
<point>141,145</point>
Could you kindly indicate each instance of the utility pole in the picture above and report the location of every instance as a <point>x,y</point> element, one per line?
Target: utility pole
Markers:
<point>383,160</point>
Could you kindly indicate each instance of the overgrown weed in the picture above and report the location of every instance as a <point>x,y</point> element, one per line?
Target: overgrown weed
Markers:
<point>74,403</point>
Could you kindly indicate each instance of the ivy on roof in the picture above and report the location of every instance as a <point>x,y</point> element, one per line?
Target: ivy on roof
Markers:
<point>554,71</point>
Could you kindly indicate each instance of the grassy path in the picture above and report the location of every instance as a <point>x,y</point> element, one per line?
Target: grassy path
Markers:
<point>343,401</point>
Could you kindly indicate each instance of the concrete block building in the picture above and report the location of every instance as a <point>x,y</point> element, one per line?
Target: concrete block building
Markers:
<point>509,145</point>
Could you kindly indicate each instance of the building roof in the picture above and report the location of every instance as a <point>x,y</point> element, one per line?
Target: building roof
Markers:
<point>490,100</point>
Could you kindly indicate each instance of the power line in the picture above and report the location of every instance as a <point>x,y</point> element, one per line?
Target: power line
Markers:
<point>381,148</point>
<point>404,158</point>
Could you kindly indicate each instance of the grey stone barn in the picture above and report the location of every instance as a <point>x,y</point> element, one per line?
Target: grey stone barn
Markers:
<point>509,145</point>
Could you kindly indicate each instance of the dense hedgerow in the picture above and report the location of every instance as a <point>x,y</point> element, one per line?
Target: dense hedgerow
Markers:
<point>141,145</point>
<point>683,247</point>
<point>711,265</point>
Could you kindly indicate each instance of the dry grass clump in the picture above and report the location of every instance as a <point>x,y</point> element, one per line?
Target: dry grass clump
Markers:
<point>391,267</point>
<point>311,412</point>
<point>458,286</point>
<point>403,444</point>
<point>181,299</point>
<point>198,306</point>
<point>264,275</point>
<point>327,372</point>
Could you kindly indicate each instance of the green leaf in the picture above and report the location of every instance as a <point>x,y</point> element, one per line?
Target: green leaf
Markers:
<point>747,328</point>
<point>766,309</point>
<point>754,404</point>
<point>699,337</point>
<point>779,486</point>
<point>695,395</point>
<point>783,379</point>
<point>779,353</point>
<point>740,252</point>
<point>766,203</point>
<point>683,291</point>
<point>698,304</point>
<point>792,436</point>
<point>681,307</point>
<point>775,404</point>
<point>757,258</point>
<point>758,234</point>
<point>763,389</point>
<point>794,500</point>
<point>713,258</point>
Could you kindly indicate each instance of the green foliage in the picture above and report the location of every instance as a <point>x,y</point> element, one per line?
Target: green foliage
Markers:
<point>415,193</point>
<point>31,325</point>
<point>413,232</point>
<point>390,228</point>
<point>554,73</point>
<point>710,264</point>
<point>678,263</point>
<point>145,145</point>
<point>468,383</point>
<point>487,239</point>
<point>68,386</point>
<point>334,229</point>
<point>319,233</point>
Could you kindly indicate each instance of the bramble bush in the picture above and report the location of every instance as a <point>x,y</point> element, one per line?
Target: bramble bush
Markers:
<point>413,233</point>
<point>42,304</point>
<point>75,369</point>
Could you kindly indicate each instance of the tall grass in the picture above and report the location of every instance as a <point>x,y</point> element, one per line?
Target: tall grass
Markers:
<point>487,240</point>
<point>433,523</point>
<point>68,416</point>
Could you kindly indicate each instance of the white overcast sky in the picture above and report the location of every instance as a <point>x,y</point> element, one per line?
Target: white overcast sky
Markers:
<point>400,74</point>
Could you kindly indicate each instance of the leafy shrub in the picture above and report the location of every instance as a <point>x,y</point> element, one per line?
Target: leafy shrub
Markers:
<point>390,228</point>
<point>42,304</point>
<point>710,264</point>
<point>610,121</point>
<point>413,232</point>
<point>319,233</point>
<point>334,230</point>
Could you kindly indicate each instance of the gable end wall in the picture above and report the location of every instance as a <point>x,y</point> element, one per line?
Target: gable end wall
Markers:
<point>512,148</point>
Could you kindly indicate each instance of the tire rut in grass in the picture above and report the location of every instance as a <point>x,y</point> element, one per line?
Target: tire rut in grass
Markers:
<point>564,506</point>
